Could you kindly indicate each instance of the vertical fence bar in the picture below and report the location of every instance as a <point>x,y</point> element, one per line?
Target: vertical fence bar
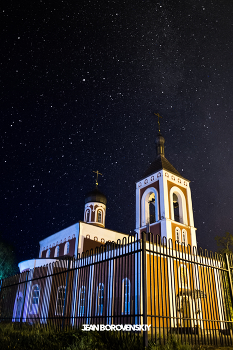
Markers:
<point>66,293</point>
<point>228,266</point>
<point>24,295</point>
<point>144,288</point>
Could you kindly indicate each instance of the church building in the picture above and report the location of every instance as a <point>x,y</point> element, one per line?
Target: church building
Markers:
<point>155,274</point>
<point>163,207</point>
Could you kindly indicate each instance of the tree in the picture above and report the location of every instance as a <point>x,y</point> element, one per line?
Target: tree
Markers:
<point>8,266</point>
<point>225,243</point>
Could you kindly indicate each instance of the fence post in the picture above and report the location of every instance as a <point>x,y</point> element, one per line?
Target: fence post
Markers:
<point>64,307</point>
<point>144,289</point>
<point>24,295</point>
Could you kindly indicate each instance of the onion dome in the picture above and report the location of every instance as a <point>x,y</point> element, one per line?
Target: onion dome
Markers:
<point>96,196</point>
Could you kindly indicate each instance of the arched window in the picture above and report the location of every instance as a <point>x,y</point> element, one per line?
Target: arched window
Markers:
<point>178,205</point>
<point>184,237</point>
<point>35,296</point>
<point>151,203</point>
<point>88,215</point>
<point>81,302</point>
<point>125,296</point>
<point>99,216</point>
<point>57,249</point>
<point>48,253</point>
<point>100,300</point>
<point>149,207</point>
<point>176,208</point>
<point>61,292</point>
<point>67,248</point>
<point>178,234</point>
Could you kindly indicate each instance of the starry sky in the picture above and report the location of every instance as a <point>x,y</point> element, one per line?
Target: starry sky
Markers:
<point>80,83</point>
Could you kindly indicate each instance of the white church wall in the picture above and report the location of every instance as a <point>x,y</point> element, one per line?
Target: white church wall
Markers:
<point>61,236</point>
<point>93,231</point>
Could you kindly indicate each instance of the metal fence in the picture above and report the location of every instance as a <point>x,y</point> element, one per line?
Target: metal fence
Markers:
<point>165,286</point>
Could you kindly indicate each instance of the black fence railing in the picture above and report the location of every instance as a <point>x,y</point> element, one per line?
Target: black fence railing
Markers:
<point>168,288</point>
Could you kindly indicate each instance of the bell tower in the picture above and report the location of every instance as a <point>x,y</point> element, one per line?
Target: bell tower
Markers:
<point>163,201</point>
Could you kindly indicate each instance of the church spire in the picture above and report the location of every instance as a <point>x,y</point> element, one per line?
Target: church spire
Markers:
<point>160,145</point>
<point>159,139</point>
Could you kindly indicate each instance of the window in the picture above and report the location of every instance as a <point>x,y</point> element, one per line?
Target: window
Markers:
<point>149,207</point>
<point>125,296</point>
<point>81,302</point>
<point>184,237</point>
<point>87,215</point>
<point>61,292</point>
<point>95,238</point>
<point>177,232</point>
<point>48,253</point>
<point>100,300</point>
<point>56,251</point>
<point>35,299</point>
<point>99,214</point>
<point>67,248</point>
<point>102,240</point>
<point>176,208</point>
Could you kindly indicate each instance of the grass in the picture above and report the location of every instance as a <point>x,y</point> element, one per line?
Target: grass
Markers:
<point>24,337</point>
<point>15,336</point>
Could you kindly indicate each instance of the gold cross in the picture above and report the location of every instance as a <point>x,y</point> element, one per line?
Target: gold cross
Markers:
<point>159,116</point>
<point>97,174</point>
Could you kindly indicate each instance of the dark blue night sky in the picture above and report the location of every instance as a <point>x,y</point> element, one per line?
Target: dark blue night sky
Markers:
<point>79,87</point>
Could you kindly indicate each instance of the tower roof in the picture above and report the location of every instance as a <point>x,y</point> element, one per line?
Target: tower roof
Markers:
<point>160,161</point>
<point>96,196</point>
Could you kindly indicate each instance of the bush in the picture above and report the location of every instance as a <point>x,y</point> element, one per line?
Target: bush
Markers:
<point>173,343</point>
<point>23,336</point>
<point>16,336</point>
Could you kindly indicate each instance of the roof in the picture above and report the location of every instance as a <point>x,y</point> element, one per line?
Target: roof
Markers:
<point>161,163</point>
<point>96,196</point>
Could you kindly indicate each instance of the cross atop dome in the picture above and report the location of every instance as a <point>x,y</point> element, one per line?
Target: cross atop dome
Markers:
<point>97,174</point>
